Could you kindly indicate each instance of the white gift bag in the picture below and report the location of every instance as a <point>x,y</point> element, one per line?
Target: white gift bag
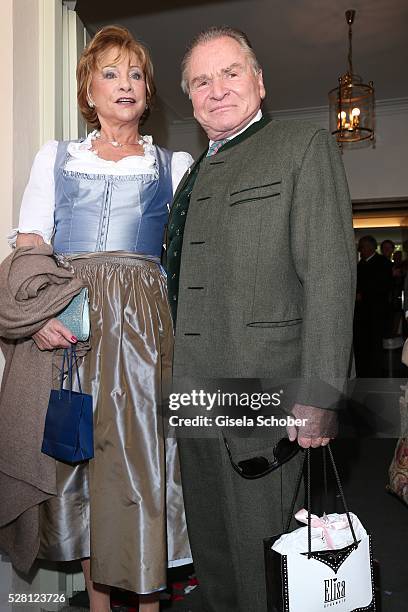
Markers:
<point>324,566</point>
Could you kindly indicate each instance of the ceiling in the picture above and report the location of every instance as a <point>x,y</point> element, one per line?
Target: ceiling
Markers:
<point>301,44</point>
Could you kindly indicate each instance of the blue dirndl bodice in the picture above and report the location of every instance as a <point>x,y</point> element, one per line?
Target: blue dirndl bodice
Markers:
<point>102,212</point>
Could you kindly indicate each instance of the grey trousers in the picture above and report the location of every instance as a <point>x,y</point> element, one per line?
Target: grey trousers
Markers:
<point>228,517</point>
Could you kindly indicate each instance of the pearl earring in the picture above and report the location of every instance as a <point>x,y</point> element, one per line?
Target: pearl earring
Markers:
<point>91,104</point>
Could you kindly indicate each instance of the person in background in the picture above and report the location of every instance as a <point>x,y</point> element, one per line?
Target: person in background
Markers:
<point>398,259</point>
<point>103,202</point>
<point>387,249</point>
<point>371,316</point>
<point>393,327</point>
<point>398,279</point>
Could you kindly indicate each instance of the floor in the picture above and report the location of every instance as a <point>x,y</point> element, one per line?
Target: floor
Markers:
<point>383,515</point>
<point>363,465</point>
<point>182,596</point>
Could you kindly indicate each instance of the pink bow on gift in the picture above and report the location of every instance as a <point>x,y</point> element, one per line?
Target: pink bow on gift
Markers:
<point>323,523</point>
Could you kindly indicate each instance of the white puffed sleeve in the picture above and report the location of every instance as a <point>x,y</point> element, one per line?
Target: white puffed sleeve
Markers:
<point>180,163</point>
<point>38,203</point>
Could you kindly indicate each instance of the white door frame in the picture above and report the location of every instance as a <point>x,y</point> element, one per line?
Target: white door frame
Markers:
<point>40,41</point>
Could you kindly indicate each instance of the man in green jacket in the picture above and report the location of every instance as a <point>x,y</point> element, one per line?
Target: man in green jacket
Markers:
<point>261,273</point>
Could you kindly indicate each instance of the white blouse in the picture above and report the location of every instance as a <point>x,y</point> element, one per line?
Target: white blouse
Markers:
<point>38,203</point>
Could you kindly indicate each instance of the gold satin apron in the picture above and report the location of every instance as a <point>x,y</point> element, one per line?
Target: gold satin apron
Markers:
<point>124,509</point>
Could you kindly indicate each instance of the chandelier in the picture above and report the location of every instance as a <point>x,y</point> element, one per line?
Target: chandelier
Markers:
<point>351,104</point>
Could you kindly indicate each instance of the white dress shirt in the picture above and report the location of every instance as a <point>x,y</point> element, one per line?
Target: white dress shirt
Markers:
<point>257,117</point>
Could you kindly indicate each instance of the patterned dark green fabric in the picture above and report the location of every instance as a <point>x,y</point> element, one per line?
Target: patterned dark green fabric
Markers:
<point>178,216</point>
<point>175,231</point>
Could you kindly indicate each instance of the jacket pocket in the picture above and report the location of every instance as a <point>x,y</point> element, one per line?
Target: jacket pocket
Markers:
<point>263,324</point>
<point>255,193</point>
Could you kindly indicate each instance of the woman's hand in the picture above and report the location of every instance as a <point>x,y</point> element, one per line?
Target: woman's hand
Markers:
<point>53,335</point>
<point>29,240</point>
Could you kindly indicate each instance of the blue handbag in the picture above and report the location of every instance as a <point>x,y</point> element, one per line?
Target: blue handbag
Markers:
<point>68,431</point>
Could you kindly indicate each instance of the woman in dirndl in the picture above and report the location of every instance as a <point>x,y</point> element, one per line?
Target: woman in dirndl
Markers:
<point>103,202</point>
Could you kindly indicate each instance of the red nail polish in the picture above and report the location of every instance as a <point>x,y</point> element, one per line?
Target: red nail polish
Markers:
<point>73,339</point>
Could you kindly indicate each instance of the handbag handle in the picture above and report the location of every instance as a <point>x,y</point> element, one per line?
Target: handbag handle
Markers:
<point>72,361</point>
<point>295,494</point>
<point>297,487</point>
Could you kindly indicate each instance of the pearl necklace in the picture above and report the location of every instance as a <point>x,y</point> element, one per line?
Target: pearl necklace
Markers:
<point>116,144</point>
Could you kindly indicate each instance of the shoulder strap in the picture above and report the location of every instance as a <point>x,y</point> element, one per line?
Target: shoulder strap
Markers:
<point>61,155</point>
<point>164,158</point>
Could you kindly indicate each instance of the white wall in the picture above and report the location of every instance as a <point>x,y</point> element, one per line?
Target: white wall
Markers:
<point>26,121</point>
<point>182,136</point>
<point>6,189</point>
<point>6,114</point>
<point>380,172</point>
<point>31,109</point>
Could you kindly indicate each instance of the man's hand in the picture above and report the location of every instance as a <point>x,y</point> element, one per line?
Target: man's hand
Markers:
<point>319,428</point>
<point>53,335</point>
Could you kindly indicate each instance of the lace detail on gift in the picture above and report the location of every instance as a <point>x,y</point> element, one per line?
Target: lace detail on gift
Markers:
<point>333,558</point>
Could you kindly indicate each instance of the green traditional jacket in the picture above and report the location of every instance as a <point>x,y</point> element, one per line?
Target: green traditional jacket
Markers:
<point>179,211</point>
<point>261,260</point>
